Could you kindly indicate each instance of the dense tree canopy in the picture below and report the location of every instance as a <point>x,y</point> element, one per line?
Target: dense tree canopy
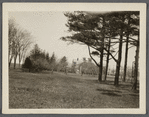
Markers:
<point>96,29</point>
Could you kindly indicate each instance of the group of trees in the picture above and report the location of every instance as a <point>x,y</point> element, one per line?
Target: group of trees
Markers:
<point>103,32</point>
<point>39,60</point>
<point>19,42</point>
<point>62,65</point>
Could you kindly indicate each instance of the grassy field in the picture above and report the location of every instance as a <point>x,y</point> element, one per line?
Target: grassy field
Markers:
<point>45,90</point>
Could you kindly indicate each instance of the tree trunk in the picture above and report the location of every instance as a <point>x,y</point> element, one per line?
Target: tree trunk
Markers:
<point>101,53</point>
<point>15,58</point>
<point>116,82</point>
<point>126,52</point>
<point>19,60</point>
<point>107,62</point>
<point>118,64</point>
<point>134,87</point>
<point>10,60</point>
<point>126,57</point>
<point>100,74</point>
<point>100,66</point>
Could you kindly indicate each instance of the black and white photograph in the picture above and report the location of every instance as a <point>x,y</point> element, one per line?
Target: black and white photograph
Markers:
<point>88,58</point>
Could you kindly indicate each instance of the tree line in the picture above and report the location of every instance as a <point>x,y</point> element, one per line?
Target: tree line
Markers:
<point>19,41</point>
<point>39,60</point>
<point>102,31</point>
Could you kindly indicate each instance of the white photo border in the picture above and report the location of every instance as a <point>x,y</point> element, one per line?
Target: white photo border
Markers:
<point>16,7</point>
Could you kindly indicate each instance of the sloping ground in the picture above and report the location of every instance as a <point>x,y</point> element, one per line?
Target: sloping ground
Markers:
<point>43,90</point>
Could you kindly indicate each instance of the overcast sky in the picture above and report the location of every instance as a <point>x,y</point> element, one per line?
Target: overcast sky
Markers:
<point>48,27</point>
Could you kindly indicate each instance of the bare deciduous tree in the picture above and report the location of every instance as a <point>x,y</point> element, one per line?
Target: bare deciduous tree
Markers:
<point>19,42</point>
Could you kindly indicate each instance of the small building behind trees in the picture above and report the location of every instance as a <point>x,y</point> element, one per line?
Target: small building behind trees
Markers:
<point>84,66</point>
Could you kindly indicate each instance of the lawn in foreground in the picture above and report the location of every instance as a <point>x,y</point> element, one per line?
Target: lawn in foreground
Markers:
<point>45,90</point>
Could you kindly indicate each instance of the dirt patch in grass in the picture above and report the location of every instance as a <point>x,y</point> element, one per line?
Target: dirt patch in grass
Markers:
<point>45,90</point>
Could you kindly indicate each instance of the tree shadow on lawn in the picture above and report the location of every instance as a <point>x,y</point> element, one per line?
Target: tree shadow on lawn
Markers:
<point>122,89</point>
<point>109,91</point>
<point>134,94</point>
<point>102,82</point>
<point>107,82</point>
<point>128,87</point>
<point>115,93</point>
<point>111,94</point>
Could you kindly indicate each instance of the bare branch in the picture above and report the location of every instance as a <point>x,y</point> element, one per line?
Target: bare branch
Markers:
<point>110,54</point>
<point>92,57</point>
<point>114,55</point>
<point>132,38</point>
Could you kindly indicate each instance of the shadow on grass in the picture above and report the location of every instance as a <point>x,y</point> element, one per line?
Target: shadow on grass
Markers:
<point>107,82</point>
<point>102,82</point>
<point>109,91</point>
<point>111,94</point>
<point>128,87</point>
<point>134,94</point>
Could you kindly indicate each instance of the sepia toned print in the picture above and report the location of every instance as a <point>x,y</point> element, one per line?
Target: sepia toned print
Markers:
<point>87,61</point>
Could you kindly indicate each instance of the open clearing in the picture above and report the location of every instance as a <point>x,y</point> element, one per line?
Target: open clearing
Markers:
<point>45,90</point>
